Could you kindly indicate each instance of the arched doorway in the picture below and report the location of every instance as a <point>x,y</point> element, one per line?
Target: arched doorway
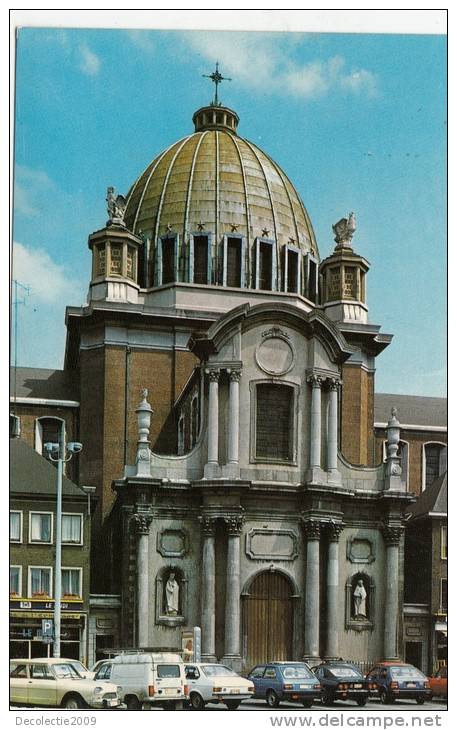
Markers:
<point>268,619</point>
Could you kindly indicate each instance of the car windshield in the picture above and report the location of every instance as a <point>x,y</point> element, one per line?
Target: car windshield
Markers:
<point>348,672</point>
<point>65,670</point>
<point>296,671</point>
<point>216,670</point>
<point>406,673</point>
<point>79,667</point>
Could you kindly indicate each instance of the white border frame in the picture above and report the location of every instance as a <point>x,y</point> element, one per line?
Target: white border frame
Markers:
<point>20,512</point>
<point>29,581</point>
<point>424,460</point>
<point>81,516</point>
<point>40,542</point>
<point>80,571</point>
<point>20,579</point>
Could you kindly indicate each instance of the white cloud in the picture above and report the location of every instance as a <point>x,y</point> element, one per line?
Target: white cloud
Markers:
<point>142,39</point>
<point>28,183</point>
<point>264,62</point>
<point>34,268</point>
<point>89,61</point>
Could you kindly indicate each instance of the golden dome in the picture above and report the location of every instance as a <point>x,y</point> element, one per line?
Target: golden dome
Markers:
<point>214,181</point>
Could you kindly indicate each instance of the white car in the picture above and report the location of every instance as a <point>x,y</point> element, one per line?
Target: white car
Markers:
<point>56,683</point>
<point>216,683</point>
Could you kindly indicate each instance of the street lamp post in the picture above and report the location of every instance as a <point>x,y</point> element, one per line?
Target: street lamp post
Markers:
<point>73,447</point>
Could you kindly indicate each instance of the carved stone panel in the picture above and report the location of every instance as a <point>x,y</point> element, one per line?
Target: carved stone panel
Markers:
<point>275,354</point>
<point>172,543</point>
<point>271,544</point>
<point>360,550</point>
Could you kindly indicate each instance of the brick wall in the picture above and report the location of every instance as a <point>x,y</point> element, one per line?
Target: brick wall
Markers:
<point>357,413</point>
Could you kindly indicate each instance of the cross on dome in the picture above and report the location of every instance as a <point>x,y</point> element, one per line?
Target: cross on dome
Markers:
<point>216,78</point>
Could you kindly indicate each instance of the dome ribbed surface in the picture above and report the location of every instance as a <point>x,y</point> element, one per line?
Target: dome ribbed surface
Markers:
<point>217,182</point>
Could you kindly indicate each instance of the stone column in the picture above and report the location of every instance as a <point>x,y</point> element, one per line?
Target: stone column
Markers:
<point>315,431</point>
<point>213,417</point>
<point>392,535</point>
<point>141,523</point>
<point>312,530</point>
<point>208,587</point>
<point>332,432</point>
<point>234,417</point>
<point>233,590</point>
<point>334,530</point>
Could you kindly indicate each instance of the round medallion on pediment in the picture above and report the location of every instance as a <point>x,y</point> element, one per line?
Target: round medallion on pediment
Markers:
<point>275,354</point>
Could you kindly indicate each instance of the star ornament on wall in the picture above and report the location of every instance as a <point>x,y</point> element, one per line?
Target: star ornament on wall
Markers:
<point>234,227</point>
<point>200,226</point>
<point>265,232</point>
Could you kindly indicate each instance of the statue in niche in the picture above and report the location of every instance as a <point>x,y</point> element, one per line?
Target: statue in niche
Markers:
<point>172,596</point>
<point>360,600</point>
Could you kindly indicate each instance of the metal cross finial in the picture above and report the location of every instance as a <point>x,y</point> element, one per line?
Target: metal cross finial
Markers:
<point>216,78</point>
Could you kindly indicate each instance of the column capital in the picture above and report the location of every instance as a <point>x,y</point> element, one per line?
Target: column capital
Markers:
<point>311,528</point>
<point>315,380</point>
<point>141,523</point>
<point>213,374</point>
<point>234,375</point>
<point>333,383</point>
<point>392,533</point>
<point>334,530</point>
<point>234,524</point>
<point>207,525</point>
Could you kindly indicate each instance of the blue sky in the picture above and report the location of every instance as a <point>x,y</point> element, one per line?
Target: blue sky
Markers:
<point>358,122</point>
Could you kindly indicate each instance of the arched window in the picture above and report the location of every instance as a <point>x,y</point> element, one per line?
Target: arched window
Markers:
<point>434,462</point>
<point>181,435</point>
<point>194,421</point>
<point>48,429</point>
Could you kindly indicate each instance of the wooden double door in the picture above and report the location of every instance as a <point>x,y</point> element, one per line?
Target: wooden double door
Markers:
<point>268,620</point>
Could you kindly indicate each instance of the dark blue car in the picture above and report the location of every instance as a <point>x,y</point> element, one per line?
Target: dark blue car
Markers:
<point>285,681</point>
<point>394,681</point>
<point>342,681</point>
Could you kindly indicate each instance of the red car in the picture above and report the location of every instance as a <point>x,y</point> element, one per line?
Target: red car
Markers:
<point>438,683</point>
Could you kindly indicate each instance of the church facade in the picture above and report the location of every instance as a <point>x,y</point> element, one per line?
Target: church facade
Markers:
<point>240,492</point>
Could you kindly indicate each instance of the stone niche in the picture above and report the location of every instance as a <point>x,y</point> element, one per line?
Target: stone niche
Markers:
<point>271,544</point>
<point>172,542</point>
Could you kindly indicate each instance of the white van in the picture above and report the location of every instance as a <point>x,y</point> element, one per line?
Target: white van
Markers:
<point>146,679</point>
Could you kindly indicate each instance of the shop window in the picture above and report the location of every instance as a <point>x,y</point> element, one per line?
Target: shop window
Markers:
<point>15,580</point>
<point>40,527</point>
<point>201,260</point>
<point>71,582</point>
<point>40,581</point>
<point>443,542</point>
<point>116,258</point>
<point>72,529</point>
<point>274,435</point>
<point>16,526</point>
<point>435,462</point>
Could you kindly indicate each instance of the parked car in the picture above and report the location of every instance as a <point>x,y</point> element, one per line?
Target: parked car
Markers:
<point>342,681</point>
<point>285,681</point>
<point>80,668</point>
<point>216,683</point>
<point>146,679</point>
<point>391,681</point>
<point>438,683</point>
<point>56,683</point>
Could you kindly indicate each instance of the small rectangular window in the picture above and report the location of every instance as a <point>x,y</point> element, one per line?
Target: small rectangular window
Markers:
<point>40,527</point>
<point>71,529</point>
<point>16,526</point>
<point>116,258</point>
<point>443,600</point>
<point>168,260</point>
<point>100,261</point>
<point>312,287</point>
<point>293,263</point>
<point>234,250</point>
<point>201,259</point>
<point>71,582</point>
<point>40,582</point>
<point>444,542</point>
<point>15,580</point>
<point>265,266</point>
<point>350,282</point>
<point>130,263</point>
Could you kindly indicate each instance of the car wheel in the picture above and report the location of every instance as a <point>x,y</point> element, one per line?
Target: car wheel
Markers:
<point>327,699</point>
<point>384,697</point>
<point>73,702</point>
<point>420,700</point>
<point>272,698</point>
<point>132,703</point>
<point>233,704</point>
<point>362,701</point>
<point>196,701</point>
<point>307,703</point>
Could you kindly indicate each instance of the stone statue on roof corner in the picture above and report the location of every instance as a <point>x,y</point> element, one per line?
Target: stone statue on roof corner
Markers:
<point>116,205</point>
<point>344,230</point>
